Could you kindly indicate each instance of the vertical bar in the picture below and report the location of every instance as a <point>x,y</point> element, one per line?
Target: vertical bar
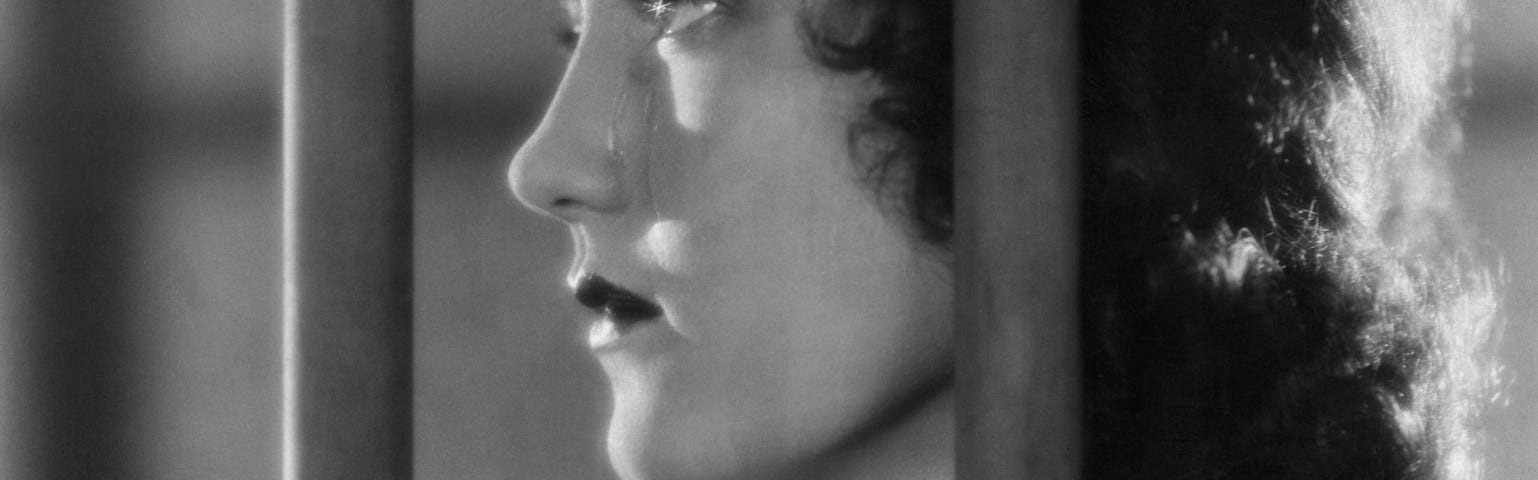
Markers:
<point>75,122</point>
<point>347,329</point>
<point>1018,413</point>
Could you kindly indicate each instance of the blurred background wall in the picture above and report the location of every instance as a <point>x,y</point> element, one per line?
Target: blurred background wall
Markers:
<point>139,243</point>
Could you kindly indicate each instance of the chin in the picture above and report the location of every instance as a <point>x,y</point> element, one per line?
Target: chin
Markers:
<point>648,444</point>
<point>638,452</point>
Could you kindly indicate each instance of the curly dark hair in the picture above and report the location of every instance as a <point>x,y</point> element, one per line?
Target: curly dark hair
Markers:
<point>1276,283</point>
<point>905,139</point>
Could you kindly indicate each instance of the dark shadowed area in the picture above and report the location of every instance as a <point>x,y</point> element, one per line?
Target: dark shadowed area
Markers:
<point>139,243</point>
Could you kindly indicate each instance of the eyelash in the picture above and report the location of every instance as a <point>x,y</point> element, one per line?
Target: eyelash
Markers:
<point>567,34</point>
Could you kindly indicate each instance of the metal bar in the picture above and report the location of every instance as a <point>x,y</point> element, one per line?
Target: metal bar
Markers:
<point>347,255</point>
<point>1018,389</point>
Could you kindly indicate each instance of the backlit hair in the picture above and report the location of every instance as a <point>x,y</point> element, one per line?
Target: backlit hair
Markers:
<point>1276,282</point>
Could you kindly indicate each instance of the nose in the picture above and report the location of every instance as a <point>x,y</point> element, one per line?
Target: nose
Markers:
<point>566,168</point>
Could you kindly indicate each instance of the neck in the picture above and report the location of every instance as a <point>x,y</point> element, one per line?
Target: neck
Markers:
<point>917,446</point>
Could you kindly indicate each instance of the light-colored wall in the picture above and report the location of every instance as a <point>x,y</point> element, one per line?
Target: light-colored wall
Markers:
<point>1498,183</point>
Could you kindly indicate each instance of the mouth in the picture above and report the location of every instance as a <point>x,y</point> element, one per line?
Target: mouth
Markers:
<point>622,310</point>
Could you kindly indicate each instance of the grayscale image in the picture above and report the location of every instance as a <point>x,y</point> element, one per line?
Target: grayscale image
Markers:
<point>768,239</point>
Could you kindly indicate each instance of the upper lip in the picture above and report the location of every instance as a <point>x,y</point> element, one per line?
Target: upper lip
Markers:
<point>615,302</point>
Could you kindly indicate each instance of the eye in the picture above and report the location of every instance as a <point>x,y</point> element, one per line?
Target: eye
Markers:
<point>674,19</point>
<point>679,18</point>
<point>686,15</point>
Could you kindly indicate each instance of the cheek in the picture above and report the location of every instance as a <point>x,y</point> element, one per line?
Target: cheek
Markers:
<point>744,61</point>
<point>826,327</point>
<point>806,306</point>
<point>693,84</point>
<point>762,199</point>
<point>663,247</point>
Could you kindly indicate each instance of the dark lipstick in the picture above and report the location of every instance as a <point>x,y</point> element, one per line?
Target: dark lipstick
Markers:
<point>618,304</point>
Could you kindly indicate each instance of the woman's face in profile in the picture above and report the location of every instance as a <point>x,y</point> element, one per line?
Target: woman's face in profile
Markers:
<point>753,304</point>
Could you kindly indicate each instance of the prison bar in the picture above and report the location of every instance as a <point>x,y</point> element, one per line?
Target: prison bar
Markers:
<point>73,362</point>
<point>347,255</point>
<point>1018,389</point>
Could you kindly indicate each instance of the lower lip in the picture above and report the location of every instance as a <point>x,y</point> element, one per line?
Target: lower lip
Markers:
<point>608,335</point>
